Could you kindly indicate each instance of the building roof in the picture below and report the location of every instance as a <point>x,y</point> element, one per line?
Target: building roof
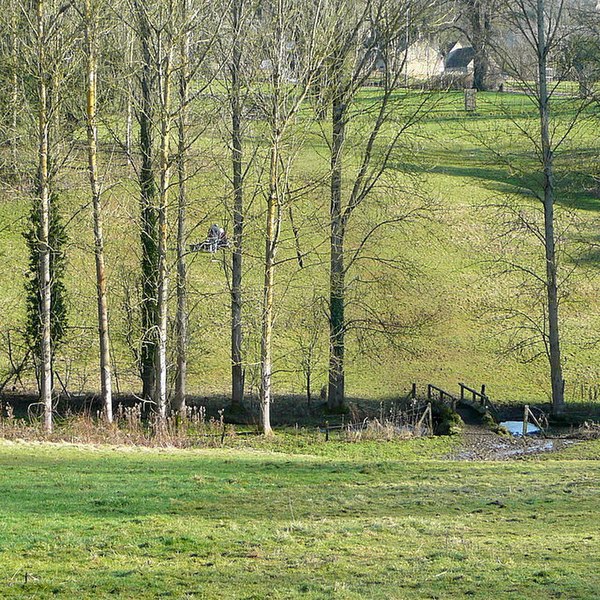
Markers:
<point>460,58</point>
<point>454,45</point>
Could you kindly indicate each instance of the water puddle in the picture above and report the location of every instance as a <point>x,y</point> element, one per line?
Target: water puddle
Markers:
<point>516,427</point>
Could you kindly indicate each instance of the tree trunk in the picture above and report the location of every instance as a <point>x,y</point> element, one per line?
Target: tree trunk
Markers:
<point>92,138</point>
<point>336,388</point>
<point>179,399</point>
<point>558,402</point>
<point>266,359</point>
<point>480,70</point>
<point>272,231</point>
<point>129,99</point>
<point>237,370</point>
<point>43,191</point>
<point>480,34</point>
<point>15,90</point>
<point>149,217</point>
<point>163,269</point>
<point>308,381</point>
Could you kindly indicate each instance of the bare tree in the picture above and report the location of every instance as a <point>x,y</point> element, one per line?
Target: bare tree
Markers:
<point>179,399</point>
<point>165,76</point>
<point>541,26</point>
<point>43,190</point>
<point>239,8</point>
<point>544,30</point>
<point>15,43</point>
<point>306,332</point>
<point>90,15</point>
<point>244,25</point>
<point>294,49</point>
<point>49,38</point>
<point>581,50</point>
<point>370,43</point>
<point>155,29</point>
<point>198,27</point>
<point>146,109</point>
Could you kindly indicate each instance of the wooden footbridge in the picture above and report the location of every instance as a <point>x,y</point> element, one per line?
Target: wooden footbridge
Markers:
<point>418,412</point>
<point>477,399</point>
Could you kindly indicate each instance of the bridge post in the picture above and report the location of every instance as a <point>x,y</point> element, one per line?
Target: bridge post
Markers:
<point>430,419</point>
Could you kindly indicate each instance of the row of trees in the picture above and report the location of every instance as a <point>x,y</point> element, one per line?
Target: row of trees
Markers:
<point>287,70</point>
<point>294,64</point>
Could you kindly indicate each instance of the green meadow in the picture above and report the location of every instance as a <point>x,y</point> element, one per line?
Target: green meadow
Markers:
<point>294,519</point>
<point>448,291</point>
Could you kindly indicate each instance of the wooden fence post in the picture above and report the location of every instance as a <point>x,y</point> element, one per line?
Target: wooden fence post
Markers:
<point>536,422</point>
<point>413,392</point>
<point>430,419</point>
<point>525,419</point>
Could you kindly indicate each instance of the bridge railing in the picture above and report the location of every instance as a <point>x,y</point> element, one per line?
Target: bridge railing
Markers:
<point>479,397</point>
<point>442,395</point>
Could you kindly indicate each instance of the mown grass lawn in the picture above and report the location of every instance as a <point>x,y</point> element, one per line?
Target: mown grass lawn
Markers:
<point>367,520</point>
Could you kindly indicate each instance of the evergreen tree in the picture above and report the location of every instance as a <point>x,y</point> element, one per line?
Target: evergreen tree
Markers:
<point>57,242</point>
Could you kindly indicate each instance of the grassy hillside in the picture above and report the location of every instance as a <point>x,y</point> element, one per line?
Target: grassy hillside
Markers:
<point>447,291</point>
<point>367,520</point>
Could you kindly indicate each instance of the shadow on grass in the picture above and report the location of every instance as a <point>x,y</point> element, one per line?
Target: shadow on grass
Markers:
<point>574,189</point>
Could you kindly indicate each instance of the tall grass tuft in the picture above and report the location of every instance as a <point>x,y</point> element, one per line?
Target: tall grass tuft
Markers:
<point>131,426</point>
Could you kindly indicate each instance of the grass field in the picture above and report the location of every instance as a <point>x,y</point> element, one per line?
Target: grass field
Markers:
<point>289,520</point>
<point>452,159</point>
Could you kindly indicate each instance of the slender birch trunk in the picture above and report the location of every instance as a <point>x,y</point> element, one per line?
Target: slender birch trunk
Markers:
<point>237,370</point>
<point>129,107</point>
<point>269,289</point>
<point>92,139</point>
<point>285,103</point>
<point>554,355</point>
<point>15,88</point>
<point>179,399</point>
<point>163,269</point>
<point>43,191</point>
<point>271,238</point>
